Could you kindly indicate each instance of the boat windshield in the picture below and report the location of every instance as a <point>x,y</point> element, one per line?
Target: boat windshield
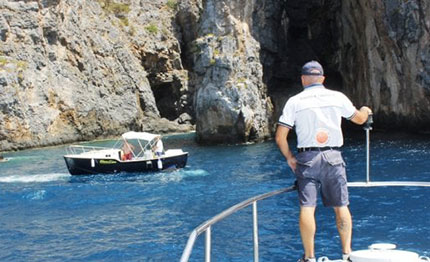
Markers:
<point>137,143</point>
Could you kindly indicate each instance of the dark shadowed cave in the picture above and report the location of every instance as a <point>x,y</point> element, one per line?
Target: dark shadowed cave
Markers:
<point>299,32</point>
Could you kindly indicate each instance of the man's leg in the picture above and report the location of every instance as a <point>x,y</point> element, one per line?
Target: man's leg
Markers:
<point>344,226</point>
<point>307,229</point>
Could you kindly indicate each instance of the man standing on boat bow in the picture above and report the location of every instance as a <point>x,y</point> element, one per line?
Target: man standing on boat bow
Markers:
<point>316,113</point>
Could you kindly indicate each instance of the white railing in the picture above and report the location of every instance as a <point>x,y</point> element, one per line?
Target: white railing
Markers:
<point>206,226</point>
<point>79,149</point>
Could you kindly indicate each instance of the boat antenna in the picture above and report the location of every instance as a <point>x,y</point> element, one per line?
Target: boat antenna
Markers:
<point>367,127</point>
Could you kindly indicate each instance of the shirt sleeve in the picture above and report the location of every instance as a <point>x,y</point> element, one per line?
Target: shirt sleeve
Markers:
<point>348,109</point>
<point>288,116</point>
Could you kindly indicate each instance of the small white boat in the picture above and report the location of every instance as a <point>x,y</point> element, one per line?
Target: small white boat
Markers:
<point>84,160</point>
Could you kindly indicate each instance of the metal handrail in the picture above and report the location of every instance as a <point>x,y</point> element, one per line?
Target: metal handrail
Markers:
<point>76,149</point>
<point>206,226</point>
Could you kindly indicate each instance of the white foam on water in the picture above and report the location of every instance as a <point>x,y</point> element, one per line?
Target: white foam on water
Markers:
<point>18,158</point>
<point>37,195</point>
<point>39,178</point>
<point>165,177</point>
<point>196,172</point>
<point>170,177</point>
<point>180,174</point>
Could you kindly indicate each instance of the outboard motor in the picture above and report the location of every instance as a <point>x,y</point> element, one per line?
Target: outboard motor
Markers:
<point>381,253</point>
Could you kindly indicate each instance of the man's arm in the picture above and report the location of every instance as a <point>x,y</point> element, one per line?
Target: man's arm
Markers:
<point>360,116</point>
<point>281,141</point>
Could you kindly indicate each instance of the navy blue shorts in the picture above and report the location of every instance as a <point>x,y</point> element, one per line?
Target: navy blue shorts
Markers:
<point>322,171</point>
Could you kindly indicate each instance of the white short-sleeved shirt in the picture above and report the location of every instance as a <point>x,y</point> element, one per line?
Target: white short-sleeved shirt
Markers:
<point>317,113</point>
<point>159,148</point>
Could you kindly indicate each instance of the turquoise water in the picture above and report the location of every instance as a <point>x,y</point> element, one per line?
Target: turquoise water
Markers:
<point>48,215</point>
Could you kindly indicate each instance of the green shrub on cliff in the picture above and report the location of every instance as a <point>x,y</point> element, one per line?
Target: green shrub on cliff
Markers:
<point>118,9</point>
<point>172,4</point>
<point>217,52</point>
<point>124,21</point>
<point>22,65</point>
<point>18,64</point>
<point>3,61</point>
<point>151,28</point>
<point>241,82</point>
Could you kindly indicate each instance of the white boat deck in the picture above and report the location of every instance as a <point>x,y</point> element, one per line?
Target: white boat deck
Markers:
<point>389,183</point>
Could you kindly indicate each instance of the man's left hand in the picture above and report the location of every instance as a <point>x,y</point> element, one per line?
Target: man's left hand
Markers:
<point>292,162</point>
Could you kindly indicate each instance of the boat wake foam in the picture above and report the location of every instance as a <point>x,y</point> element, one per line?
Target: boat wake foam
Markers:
<point>179,175</point>
<point>39,178</point>
<point>194,173</point>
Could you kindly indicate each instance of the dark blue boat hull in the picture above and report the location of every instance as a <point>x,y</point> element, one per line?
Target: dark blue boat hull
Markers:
<point>84,166</point>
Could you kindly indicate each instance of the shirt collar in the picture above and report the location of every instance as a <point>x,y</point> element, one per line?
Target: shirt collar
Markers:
<point>313,85</point>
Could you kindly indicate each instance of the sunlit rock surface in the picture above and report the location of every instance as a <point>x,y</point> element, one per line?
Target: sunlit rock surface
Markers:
<point>78,70</point>
<point>231,101</point>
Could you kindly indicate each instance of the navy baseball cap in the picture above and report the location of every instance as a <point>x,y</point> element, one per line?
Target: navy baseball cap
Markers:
<point>312,68</point>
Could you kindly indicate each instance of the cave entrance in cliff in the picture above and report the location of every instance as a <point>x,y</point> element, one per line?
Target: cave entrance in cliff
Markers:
<point>166,87</point>
<point>167,98</point>
<point>305,30</point>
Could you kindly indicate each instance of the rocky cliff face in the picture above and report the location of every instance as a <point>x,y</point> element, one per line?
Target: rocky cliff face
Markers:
<point>374,51</point>
<point>384,59</point>
<point>231,101</point>
<point>76,70</point>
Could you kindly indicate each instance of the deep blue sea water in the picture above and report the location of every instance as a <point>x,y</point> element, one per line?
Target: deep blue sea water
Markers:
<point>47,215</point>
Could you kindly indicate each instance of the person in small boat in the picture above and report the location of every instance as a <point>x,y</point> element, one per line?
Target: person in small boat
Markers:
<point>316,114</point>
<point>127,151</point>
<point>158,148</point>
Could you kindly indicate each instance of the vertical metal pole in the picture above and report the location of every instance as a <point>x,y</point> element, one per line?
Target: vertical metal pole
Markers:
<point>255,227</point>
<point>367,155</point>
<point>208,245</point>
<point>368,127</point>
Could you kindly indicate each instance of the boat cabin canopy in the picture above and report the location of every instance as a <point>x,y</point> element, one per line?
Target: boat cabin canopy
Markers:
<point>131,145</point>
<point>143,142</point>
<point>139,135</point>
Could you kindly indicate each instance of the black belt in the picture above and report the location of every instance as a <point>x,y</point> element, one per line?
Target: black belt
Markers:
<point>304,149</point>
